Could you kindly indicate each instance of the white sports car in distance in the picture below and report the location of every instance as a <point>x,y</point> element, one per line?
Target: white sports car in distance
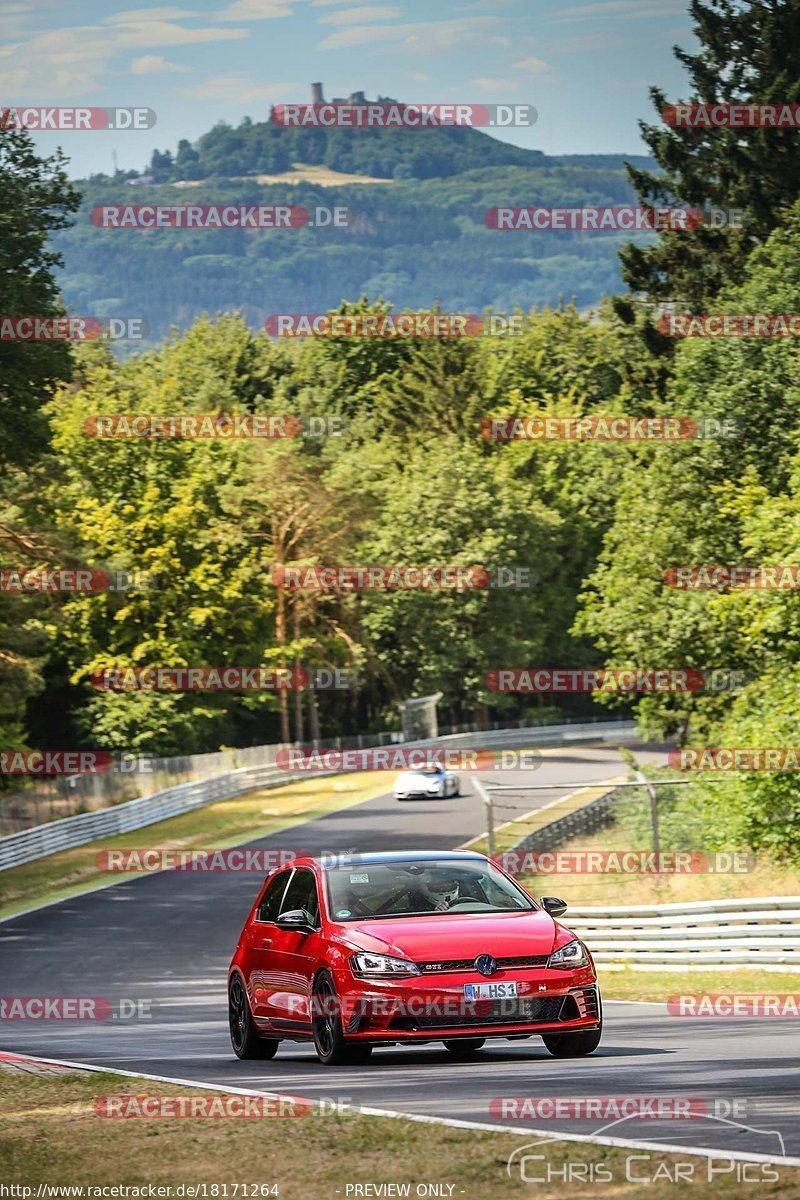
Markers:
<point>433,783</point>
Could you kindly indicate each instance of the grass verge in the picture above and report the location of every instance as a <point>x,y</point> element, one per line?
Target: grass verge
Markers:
<point>216,827</point>
<point>50,1134</point>
<point>656,985</point>
<point>509,833</point>
<point>765,878</point>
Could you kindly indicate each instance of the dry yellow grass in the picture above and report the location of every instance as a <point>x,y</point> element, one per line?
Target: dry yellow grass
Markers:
<point>300,173</point>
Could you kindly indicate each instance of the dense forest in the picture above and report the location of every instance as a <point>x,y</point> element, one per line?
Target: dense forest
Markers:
<point>409,476</point>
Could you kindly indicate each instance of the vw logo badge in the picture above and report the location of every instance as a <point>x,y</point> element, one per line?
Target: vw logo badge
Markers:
<point>485,964</point>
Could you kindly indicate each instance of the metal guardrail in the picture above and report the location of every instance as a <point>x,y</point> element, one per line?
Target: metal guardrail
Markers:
<point>752,932</point>
<point>30,844</point>
<point>589,818</point>
<point>64,834</point>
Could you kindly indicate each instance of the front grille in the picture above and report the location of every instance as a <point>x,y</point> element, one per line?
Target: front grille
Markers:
<point>468,964</point>
<point>491,1012</point>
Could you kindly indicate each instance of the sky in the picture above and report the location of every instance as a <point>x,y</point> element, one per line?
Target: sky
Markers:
<point>586,67</point>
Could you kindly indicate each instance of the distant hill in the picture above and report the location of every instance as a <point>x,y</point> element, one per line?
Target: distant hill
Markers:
<point>413,241</point>
<point>262,148</point>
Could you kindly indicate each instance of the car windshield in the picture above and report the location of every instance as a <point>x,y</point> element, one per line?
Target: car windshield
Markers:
<point>413,887</point>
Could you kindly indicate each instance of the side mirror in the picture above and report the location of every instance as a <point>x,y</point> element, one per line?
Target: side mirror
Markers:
<point>553,905</point>
<point>296,918</point>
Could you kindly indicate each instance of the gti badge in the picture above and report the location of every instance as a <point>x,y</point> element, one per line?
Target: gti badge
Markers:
<point>485,964</point>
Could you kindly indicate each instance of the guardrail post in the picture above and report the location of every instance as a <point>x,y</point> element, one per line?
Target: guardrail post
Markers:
<point>487,804</point>
<point>651,791</point>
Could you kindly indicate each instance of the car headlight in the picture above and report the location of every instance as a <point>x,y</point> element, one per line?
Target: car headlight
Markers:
<point>572,955</point>
<point>382,966</point>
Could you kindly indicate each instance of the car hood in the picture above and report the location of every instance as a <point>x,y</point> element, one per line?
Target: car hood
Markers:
<point>438,937</point>
<point>417,777</point>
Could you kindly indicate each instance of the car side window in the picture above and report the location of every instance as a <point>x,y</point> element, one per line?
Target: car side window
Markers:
<point>302,893</point>
<point>270,904</point>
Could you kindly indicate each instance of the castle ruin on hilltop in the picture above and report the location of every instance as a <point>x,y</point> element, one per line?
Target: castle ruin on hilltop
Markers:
<point>317,97</point>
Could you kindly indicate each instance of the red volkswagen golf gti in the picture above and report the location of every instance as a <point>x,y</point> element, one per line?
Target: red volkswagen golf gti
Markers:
<point>406,948</point>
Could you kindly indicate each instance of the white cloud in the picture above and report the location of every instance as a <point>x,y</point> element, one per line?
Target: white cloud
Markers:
<point>631,9</point>
<point>154,64</point>
<point>352,16</point>
<point>254,10</point>
<point>147,14</point>
<point>73,62</point>
<point>164,33</point>
<point>531,66</point>
<point>433,37</point>
<point>233,89</point>
<point>490,85</point>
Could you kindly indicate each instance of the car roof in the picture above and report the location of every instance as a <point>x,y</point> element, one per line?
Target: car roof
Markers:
<point>329,862</point>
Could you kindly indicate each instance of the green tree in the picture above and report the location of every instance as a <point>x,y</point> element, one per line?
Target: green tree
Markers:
<point>748,53</point>
<point>36,198</point>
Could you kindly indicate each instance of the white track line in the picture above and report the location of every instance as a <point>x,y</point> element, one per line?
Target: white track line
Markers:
<point>449,1122</point>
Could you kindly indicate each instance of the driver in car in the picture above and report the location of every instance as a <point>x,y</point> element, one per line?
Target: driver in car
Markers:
<point>440,893</point>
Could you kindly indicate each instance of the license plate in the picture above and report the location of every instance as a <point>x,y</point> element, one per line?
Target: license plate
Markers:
<point>489,991</point>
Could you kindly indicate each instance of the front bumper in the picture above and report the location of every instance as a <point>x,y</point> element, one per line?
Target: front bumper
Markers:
<point>435,794</point>
<point>418,1009</point>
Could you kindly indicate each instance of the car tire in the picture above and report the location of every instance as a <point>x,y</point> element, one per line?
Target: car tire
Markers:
<point>245,1039</point>
<point>464,1047</point>
<point>573,1045</point>
<point>329,1040</point>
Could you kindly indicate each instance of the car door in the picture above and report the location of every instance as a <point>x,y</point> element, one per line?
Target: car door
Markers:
<point>261,938</point>
<point>292,956</point>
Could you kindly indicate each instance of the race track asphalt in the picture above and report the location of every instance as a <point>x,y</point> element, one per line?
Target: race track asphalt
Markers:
<point>167,938</point>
